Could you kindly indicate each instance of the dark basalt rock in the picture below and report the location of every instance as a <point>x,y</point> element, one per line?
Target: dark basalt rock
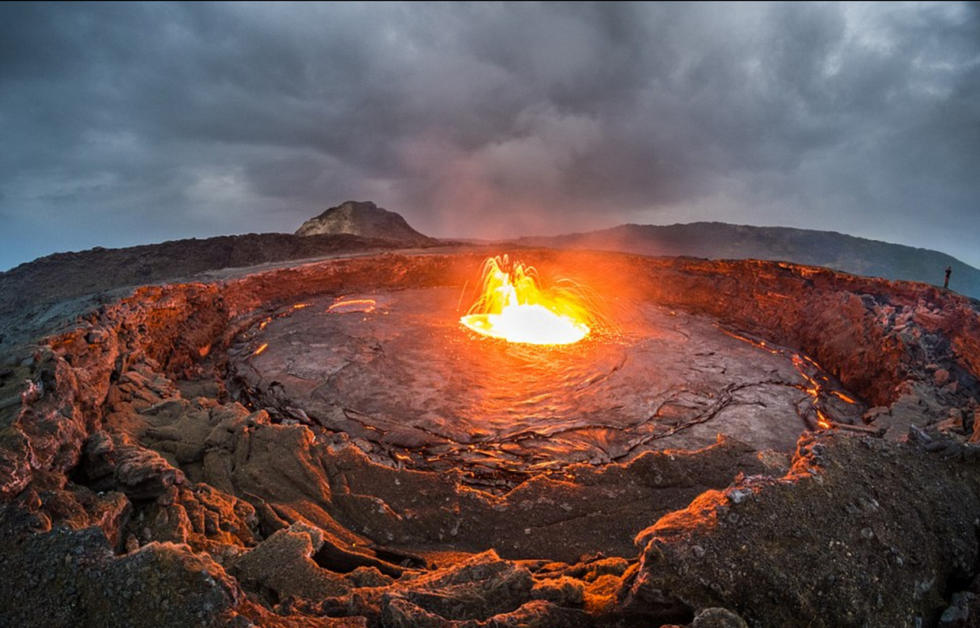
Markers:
<point>861,531</point>
<point>61,577</point>
<point>144,474</point>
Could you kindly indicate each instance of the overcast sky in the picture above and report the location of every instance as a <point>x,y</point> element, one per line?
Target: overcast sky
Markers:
<point>124,123</point>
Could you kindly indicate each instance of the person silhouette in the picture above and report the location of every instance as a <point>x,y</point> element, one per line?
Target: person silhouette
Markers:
<point>949,271</point>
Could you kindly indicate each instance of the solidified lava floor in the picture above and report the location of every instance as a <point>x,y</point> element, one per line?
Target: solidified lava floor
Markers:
<point>250,448</point>
<point>399,374</point>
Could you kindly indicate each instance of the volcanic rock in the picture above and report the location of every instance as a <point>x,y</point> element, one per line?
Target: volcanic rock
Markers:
<point>718,618</point>
<point>40,296</point>
<point>141,464</point>
<point>364,219</point>
<point>964,608</point>
<point>774,574</point>
<point>283,565</point>
<point>479,587</point>
<point>144,474</point>
<point>59,577</point>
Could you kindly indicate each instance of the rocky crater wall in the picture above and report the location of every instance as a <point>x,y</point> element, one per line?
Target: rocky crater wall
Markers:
<point>121,448</point>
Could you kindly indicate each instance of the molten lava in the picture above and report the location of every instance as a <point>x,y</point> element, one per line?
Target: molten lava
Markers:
<point>344,306</point>
<point>514,307</point>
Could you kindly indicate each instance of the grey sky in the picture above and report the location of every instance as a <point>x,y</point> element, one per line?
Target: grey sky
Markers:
<point>127,123</point>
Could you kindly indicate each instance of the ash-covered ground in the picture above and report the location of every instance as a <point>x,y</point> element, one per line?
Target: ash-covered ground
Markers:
<point>387,468</point>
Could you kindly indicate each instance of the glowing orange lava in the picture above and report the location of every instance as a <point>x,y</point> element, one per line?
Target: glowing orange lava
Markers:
<point>343,306</point>
<point>514,307</point>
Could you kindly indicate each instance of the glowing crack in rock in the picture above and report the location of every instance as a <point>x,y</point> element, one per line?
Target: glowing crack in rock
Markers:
<point>514,307</point>
<point>344,306</point>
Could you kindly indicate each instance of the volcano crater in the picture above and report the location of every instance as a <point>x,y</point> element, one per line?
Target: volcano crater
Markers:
<point>333,422</point>
<point>398,373</point>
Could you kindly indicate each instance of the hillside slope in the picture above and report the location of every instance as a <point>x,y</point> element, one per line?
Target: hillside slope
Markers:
<point>363,219</point>
<point>717,240</point>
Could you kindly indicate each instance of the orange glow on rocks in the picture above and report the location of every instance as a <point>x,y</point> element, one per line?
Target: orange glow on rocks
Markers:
<point>513,306</point>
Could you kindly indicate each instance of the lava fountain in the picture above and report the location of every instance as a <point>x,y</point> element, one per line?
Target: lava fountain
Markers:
<point>514,306</point>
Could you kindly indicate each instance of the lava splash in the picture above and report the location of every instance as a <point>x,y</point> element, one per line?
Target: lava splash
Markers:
<point>515,307</point>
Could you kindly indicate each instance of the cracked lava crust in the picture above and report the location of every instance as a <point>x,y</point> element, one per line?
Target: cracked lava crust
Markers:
<point>397,373</point>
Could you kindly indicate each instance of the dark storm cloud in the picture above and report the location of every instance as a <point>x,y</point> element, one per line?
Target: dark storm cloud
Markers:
<point>125,123</point>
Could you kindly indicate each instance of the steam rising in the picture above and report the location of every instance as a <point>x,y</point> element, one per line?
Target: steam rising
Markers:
<point>126,124</point>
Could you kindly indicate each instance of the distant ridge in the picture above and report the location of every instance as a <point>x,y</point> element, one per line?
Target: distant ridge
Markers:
<point>718,240</point>
<point>365,219</point>
<point>68,275</point>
